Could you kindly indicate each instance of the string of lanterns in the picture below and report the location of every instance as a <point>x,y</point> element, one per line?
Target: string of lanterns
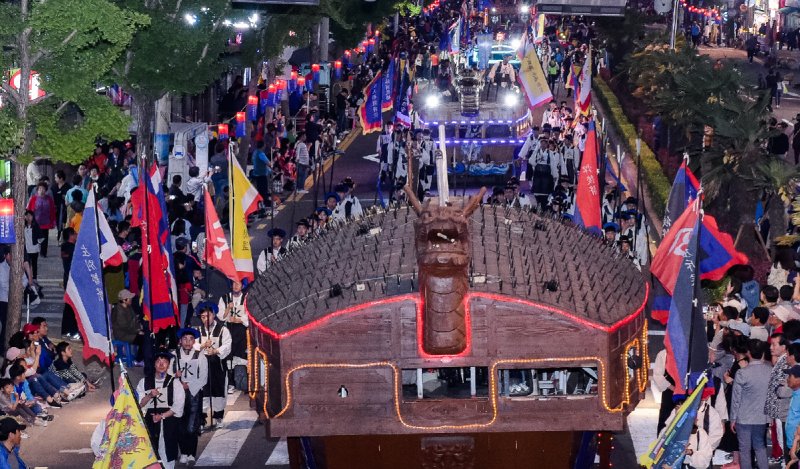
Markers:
<point>707,12</point>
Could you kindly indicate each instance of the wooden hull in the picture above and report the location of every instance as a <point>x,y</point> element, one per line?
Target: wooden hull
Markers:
<point>529,450</point>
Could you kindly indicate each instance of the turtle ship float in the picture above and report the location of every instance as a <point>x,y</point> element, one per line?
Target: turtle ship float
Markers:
<point>447,335</point>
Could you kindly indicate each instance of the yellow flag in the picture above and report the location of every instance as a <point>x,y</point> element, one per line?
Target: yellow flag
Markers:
<point>243,200</point>
<point>125,441</point>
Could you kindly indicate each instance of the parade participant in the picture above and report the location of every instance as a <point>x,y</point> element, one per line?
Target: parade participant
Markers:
<point>503,73</point>
<point>400,169</point>
<point>323,215</point>
<point>162,402</point>
<point>273,253</point>
<point>302,234</point>
<point>349,206</point>
<point>215,342</point>
<point>232,313</point>
<point>192,371</point>
<point>426,164</point>
<point>611,231</point>
<point>542,163</point>
<point>385,149</point>
<point>569,160</point>
<point>332,199</point>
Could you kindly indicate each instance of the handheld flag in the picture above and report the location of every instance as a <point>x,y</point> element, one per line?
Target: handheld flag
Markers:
<point>370,111</point>
<point>387,88</point>
<point>716,251</point>
<point>85,291</point>
<point>454,36</point>
<point>125,440</point>
<point>532,80</point>
<point>218,254</point>
<point>583,97</point>
<point>243,200</point>
<point>660,302</point>
<point>587,196</point>
<point>685,340</point>
<point>669,448</point>
<point>684,189</point>
<point>159,290</point>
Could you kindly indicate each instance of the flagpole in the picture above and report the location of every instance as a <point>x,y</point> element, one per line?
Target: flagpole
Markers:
<point>231,202</point>
<point>105,293</point>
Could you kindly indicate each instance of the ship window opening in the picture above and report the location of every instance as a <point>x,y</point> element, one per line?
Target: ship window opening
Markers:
<point>541,383</point>
<point>445,383</point>
<point>498,131</point>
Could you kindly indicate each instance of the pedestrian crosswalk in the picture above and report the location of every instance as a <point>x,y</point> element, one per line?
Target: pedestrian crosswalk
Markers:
<point>228,440</point>
<point>279,455</point>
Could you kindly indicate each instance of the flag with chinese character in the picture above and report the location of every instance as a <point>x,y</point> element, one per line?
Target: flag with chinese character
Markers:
<point>370,111</point>
<point>532,80</point>
<point>85,291</point>
<point>670,446</point>
<point>125,442</point>
<point>159,290</point>
<point>684,189</point>
<point>587,196</point>
<point>218,254</point>
<point>387,88</point>
<point>716,251</point>
<point>243,199</point>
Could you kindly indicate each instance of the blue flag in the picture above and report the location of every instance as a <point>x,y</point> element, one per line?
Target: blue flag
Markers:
<point>387,90</point>
<point>684,188</point>
<point>370,110</point>
<point>85,291</point>
<point>685,341</point>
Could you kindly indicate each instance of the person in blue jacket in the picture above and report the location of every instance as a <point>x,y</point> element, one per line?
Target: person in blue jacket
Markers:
<point>10,439</point>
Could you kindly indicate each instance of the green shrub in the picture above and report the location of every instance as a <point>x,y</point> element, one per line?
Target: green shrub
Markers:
<point>653,174</point>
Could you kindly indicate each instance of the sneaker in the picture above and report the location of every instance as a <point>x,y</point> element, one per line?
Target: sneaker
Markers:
<point>75,337</point>
<point>55,404</point>
<point>184,459</point>
<point>190,459</point>
<point>231,389</point>
<point>49,418</point>
<point>218,423</point>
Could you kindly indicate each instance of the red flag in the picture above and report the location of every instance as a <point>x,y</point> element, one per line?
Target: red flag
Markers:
<point>218,253</point>
<point>715,256</point>
<point>587,196</point>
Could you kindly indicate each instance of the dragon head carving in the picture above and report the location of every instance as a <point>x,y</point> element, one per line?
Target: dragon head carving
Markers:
<point>443,256</point>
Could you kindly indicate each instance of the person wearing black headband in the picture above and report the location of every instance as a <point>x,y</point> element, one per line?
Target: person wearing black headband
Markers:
<point>215,342</point>
<point>162,401</point>
<point>191,368</point>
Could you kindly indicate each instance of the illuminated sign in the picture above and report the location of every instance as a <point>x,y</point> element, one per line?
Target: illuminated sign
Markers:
<point>582,7</point>
<point>34,91</point>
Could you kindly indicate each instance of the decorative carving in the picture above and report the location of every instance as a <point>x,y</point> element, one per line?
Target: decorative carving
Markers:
<point>443,256</point>
<point>448,452</point>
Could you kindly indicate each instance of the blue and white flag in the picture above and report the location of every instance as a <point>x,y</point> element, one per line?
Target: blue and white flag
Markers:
<point>454,34</point>
<point>85,291</point>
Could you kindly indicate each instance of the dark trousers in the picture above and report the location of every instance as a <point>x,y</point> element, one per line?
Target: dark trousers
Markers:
<point>69,325</point>
<point>667,405</point>
<point>43,246</point>
<point>3,318</point>
<point>262,186</point>
<point>189,429</point>
<point>33,260</point>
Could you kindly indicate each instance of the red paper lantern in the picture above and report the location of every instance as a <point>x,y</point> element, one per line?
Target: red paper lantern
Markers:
<point>240,117</point>
<point>364,44</point>
<point>222,131</point>
<point>280,84</point>
<point>347,53</point>
<point>371,42</point>
<point>6,207</point>
<point>337,65</point>
<point>301,81</point>
<point>271,89</point>
<point>252,100</point>
<point>293,75</point>
<point>315,68</point>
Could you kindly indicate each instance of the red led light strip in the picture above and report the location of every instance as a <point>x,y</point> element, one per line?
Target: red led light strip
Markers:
<point>416,299</point>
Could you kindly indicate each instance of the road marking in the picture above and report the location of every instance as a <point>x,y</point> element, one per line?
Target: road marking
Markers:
<point>231,398</point>
<point>228,440</point>
<point>77,451</point>
<point>374,158</point>
<point>280,454</point>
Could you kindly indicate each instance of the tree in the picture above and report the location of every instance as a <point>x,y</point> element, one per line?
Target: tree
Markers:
<point>179,52</point>
<point>70,44</point>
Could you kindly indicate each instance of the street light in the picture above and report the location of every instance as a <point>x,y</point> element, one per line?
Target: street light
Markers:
<point>432,101</point>
<point>190,19</point>
<point>510,99</point>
